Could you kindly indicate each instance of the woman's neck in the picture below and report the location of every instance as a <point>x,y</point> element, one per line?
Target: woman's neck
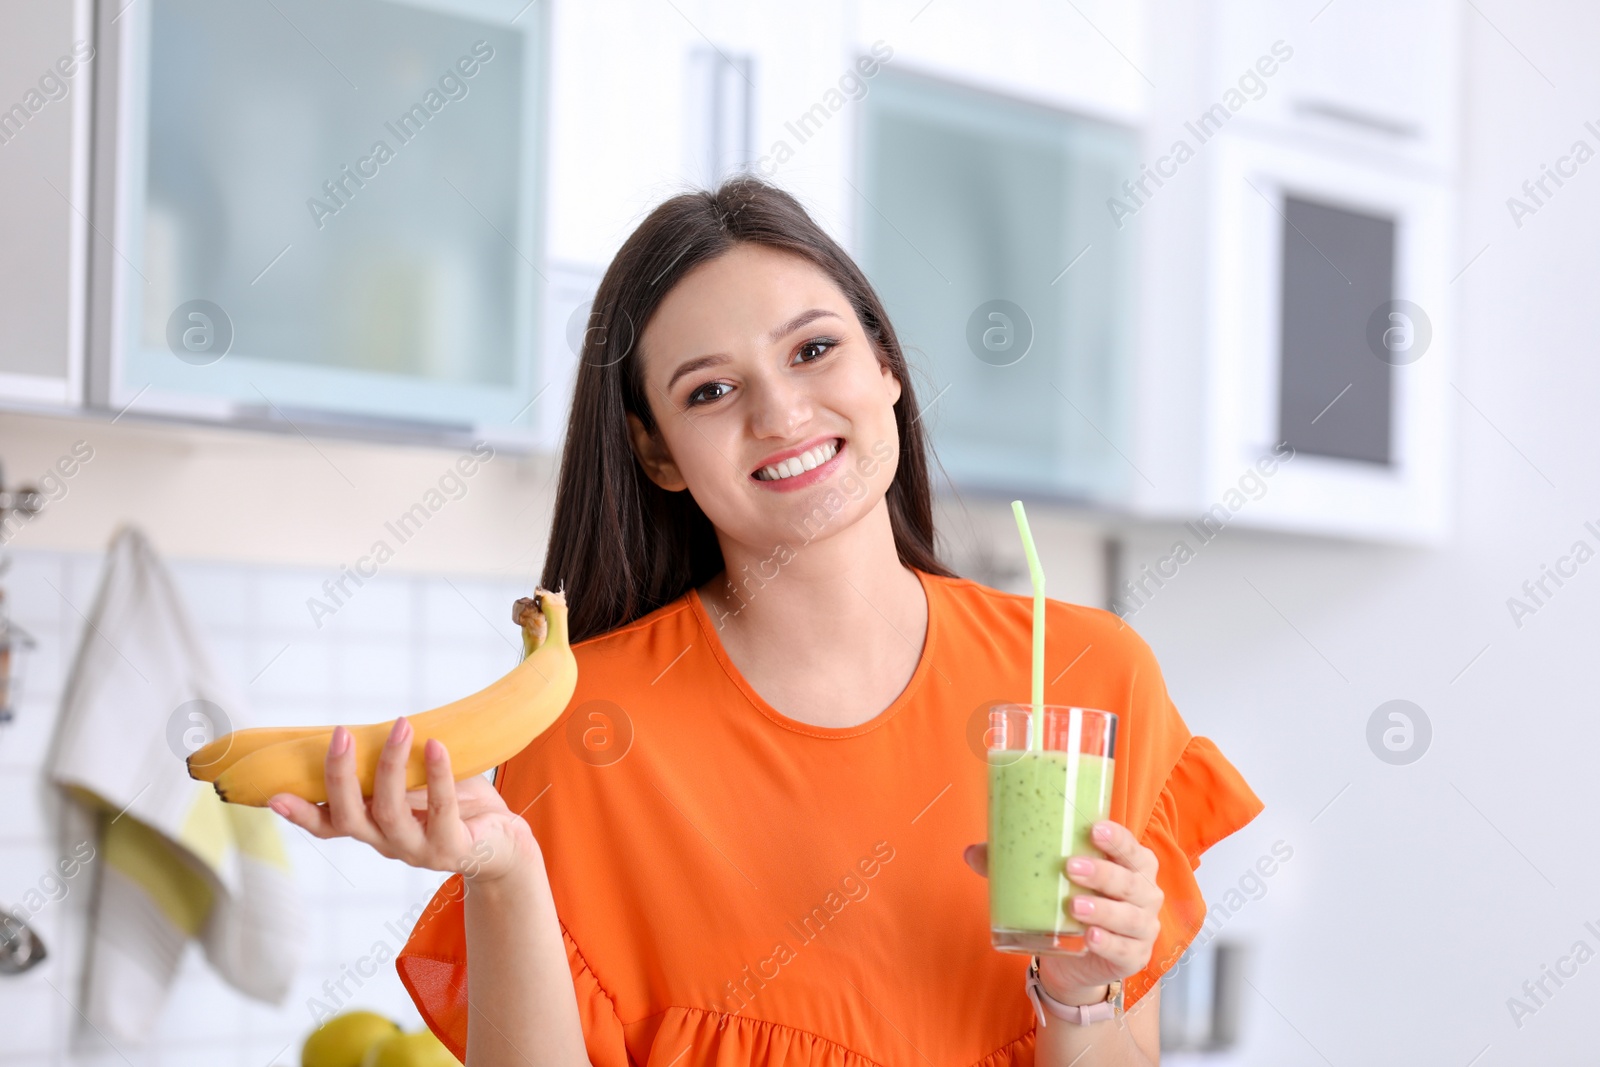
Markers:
<point>845,600</point>
<point>770,586</point>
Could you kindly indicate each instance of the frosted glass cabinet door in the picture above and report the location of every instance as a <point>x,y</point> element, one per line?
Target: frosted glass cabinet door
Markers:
<point>47,53</point>
<point>987,234</point>
<point>331,205</point>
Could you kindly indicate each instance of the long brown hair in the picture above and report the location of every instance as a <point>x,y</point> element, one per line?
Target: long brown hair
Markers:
<point>620,544</point>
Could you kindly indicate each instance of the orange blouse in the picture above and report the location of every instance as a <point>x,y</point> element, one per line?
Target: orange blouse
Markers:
<point>738,887</point>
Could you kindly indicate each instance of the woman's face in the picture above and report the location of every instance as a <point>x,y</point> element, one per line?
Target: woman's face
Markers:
<point>753,358</point>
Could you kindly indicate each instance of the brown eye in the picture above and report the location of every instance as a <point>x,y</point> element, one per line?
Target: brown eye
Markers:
<point>696,398</point>
<point>824,343</point>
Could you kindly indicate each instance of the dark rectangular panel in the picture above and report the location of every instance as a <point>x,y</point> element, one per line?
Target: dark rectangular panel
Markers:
<point>1335,394</point>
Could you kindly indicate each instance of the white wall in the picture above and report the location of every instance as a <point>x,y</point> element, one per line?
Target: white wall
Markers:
<point>1423,897</point>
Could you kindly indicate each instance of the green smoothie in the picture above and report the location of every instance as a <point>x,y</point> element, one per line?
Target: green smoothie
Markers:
<point>1033,829</point>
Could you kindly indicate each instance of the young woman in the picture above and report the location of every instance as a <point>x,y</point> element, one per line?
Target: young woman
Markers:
<point>755,835</point>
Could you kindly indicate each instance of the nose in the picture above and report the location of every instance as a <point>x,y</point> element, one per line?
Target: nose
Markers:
<point>779,405</point>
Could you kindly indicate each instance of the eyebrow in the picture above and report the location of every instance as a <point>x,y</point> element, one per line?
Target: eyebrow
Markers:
<point>806,317</point>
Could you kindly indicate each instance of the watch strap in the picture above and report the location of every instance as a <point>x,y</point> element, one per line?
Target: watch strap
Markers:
<point>1081,1014</point>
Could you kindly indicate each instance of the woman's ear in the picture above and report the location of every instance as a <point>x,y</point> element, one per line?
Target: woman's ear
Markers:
<point>893,381</point>
<point>654,457</point>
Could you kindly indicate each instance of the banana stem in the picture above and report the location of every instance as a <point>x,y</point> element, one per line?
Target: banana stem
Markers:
<point>535,625</point>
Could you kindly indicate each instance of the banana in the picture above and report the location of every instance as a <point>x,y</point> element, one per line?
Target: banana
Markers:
<point>208,761</point>
<point>479,731</point>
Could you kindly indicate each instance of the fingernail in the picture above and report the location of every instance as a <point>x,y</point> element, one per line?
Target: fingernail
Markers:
<point>341,741</point>
<point>1082,905</point>
<point>433,748</point>
<point>1095,934</point>
<point>279,807</point>
<point>1102,832</point>
<point>1079,865</point>
<point>397,732</point>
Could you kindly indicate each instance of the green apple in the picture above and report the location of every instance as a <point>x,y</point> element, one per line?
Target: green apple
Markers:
<point>418,1049</point>
<point>345,1038</point>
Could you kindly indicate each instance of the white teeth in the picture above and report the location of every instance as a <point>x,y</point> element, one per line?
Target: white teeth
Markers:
<point>805,461</point>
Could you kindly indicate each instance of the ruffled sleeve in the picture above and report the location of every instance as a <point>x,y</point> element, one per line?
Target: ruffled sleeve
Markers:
<point>433,967</point>
<point>1203,800</point>
<point>1181,797</point>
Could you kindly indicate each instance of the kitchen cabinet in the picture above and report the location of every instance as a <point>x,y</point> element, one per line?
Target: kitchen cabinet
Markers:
<point>322,214</point>
<point>1232,300</point>
<point>44,172</point>
<point>982,224</point>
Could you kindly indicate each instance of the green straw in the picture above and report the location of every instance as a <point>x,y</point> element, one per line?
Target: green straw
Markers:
<point>1036,572</point>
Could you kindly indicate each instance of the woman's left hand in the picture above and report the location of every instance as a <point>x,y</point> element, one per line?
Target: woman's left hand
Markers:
<point>1121,917</point>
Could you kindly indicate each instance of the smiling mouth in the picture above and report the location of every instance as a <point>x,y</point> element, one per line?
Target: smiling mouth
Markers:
<point>798,465</point>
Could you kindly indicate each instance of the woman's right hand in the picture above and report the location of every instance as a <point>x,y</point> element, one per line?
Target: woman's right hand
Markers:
<point>449,826</point>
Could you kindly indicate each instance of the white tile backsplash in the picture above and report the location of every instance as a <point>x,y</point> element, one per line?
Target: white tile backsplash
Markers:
<point>23,802</point>
<point>380,606</point>
<point>199,1008</point>
<point>363,870</point>
<point>452,670</point>
<point>401,643</point>
<point>30,1019</point>
<point>31,592</point>
<point>303,672</point>
<point>26,873</point>
<point>25,741</point>
<point>371,668</point>
<point>219,596</point>
<point>281,596</point>
<point>464,610</point>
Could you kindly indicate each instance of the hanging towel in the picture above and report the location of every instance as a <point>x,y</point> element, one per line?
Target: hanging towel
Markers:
<point>175,861</point>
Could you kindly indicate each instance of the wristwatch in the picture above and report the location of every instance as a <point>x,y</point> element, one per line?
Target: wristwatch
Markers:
<point>1082,1014</point>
